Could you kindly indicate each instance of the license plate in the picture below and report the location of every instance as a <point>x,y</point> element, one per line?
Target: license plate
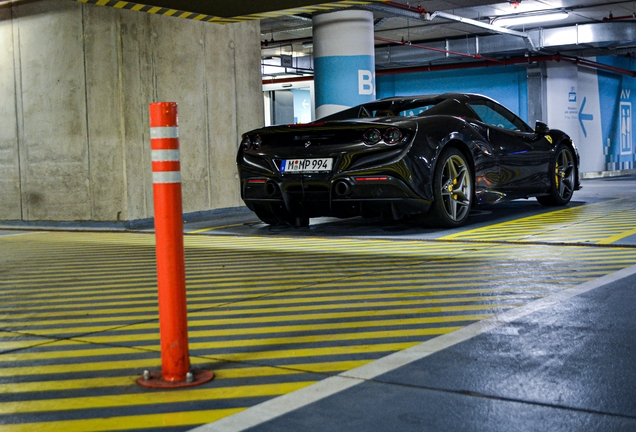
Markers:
<point>305,165</point>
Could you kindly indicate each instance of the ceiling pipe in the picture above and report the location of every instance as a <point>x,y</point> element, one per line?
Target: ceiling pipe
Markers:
<point>613,18</point>
<point>479,64</point>
<point>508,62</point>
<point>467,65</point>
<point>492,28</point>
<point>287,80</point>
<point>275,44</point>
<point>597,65</point>
<point>445,51</point>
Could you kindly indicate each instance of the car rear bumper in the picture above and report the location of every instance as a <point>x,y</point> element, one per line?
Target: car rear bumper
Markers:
<point>312,196</point>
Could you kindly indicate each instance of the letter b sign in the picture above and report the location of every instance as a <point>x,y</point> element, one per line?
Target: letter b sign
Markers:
<point>365,82</point>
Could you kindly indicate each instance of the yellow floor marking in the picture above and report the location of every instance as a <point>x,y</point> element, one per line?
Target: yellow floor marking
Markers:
<point>617,237</point>
<point>202,230</point>
<point>74,384</point>
<point>20,356</point>
<point>11,341</point>
<point>234,308</point>
<point>150,398</point>
<point>143,421</point>
<point>314,352</point>
<point>98,352</point>
<point>288,309</point>
<point>202,285</point>
<point>272,298</point>
<point>304,317</point>
<point>371,298</point>
<point>152,364</point>
<point>12,345</point>
<point>219,374</point>
<point>199,296</point>
<point>213,332</point>
<point>217,288</point>
<point>599,223</point>
<point>140,365</point>
<point>279,246</point>
<point>337,337</point>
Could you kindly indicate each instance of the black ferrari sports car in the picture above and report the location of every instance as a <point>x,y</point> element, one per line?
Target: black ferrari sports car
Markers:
<point>437,156</point>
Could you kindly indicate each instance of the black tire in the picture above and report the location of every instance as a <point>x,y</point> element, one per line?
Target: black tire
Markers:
<point>562,179</point>
<point>452,190</point>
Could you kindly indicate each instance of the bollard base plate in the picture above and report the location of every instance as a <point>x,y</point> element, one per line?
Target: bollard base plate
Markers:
<point>155,380</point>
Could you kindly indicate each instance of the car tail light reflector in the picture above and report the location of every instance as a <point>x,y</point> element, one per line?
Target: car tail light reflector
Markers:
<point>381,178</point>
<point>251,144</point>
<point>246,142</point>
<point>372,136</point>
<point>392,136</point>
<point>257,181</point>
<point>257,142</point>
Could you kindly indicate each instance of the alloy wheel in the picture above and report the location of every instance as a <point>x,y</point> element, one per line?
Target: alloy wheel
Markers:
<point>564,173</point>
<point>456,188</point>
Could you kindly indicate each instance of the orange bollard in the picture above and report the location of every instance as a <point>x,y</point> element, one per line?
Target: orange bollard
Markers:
<point>173,320</point>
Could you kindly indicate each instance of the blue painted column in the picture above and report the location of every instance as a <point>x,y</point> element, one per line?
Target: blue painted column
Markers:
<point>344,60</point>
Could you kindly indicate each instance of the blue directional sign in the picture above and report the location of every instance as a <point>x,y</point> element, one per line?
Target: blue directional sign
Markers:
<point>584,117</point>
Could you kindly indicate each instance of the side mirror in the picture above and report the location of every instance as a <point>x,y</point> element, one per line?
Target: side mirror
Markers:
<point>541,128</point>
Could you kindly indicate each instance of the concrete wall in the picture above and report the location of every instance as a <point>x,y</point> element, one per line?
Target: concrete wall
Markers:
<point>74,92</point>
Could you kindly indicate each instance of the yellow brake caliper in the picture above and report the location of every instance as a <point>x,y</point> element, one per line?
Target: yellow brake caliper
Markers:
<point>450,189</point>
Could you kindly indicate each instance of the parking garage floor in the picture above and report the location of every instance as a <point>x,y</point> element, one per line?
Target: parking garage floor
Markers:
<point>521,320</point>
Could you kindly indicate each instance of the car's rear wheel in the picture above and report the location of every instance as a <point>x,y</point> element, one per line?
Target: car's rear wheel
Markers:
<point>452,189</point>
<point>562,179</point>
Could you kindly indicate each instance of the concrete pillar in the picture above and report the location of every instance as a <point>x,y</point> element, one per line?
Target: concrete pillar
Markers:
<point>75,83</point>
<point>344,60</point>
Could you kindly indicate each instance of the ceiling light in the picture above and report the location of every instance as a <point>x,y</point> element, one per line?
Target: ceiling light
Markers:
<point>529,19</point>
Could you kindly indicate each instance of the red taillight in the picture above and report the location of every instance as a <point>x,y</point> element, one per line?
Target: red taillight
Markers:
<point>380,178</point>
<point>257,181</point>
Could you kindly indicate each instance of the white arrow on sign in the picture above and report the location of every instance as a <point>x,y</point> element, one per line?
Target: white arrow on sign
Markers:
<point>305,104</point>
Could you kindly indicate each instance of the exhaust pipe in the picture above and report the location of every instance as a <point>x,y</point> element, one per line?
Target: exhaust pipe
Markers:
<point>342,188</point>
<point>272,189</point>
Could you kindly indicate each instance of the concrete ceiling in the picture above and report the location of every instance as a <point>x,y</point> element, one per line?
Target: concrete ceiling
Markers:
<point>234,8</point>
<point>405,38</point>
<point>225,12</point>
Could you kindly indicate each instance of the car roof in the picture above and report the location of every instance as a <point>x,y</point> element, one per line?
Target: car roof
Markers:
<point>463,97</point>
